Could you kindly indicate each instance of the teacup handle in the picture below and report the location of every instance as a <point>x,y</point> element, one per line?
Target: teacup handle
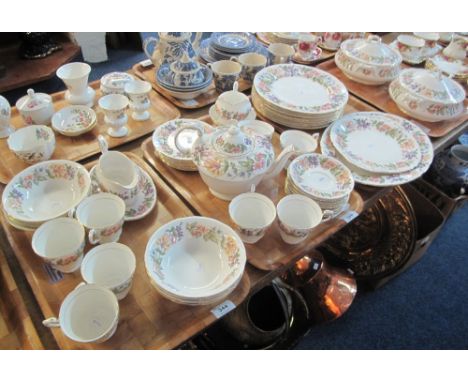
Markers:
<point>92,237</point>
<point>51,322</point>
<point>327,215</point>
<point>103,145</point>
<point>234,58</point>
<point>183,150</point>
<point>71,213</point>
<point>315,136</point>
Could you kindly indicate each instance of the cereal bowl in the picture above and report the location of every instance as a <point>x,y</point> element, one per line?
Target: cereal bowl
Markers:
<point>32,144</point>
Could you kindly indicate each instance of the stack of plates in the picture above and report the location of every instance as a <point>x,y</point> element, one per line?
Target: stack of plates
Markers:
<point>223,46</point>
<point>380,149</point>
<point>289,38</point>
<point>195,260</point>
<point>321,178</point>
<point>298,96</point>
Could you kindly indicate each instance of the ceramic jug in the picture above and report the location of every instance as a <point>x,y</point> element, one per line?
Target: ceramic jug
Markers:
<point>457,47</point>
<point>450,170</point>
<point>170,46</point>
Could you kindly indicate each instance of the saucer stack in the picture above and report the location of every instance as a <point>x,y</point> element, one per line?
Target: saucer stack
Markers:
<point>224,45</point>
<point>380,149</point>
<point>289,38</point>
<point>298,96</point>
<point>321,178</point>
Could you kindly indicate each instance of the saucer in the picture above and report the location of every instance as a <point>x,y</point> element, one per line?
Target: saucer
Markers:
<point>143,203</point>
<point>308,60</point>
<point>219,121</point>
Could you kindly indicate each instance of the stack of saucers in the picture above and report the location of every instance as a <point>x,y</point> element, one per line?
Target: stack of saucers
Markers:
<point>298,96</point>
<point>224,45</point>
<point>380,149</point>
<point>195,260</point>
<point>321,178</point>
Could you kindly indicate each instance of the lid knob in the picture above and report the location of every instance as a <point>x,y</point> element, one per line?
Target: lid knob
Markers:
<point>31,93</point>
<point>374,38</point>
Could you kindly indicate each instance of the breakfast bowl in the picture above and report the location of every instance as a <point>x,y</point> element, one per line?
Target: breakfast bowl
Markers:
<point>45,191</point>
<point>32,144</point>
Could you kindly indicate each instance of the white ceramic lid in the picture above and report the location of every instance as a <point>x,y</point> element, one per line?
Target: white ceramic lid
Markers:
<point>371,51</point>
<point>116,80</point>
<point>432,86</point>
<point>33,101</point>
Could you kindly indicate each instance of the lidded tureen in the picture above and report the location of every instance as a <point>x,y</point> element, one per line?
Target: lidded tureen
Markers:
<point>36,108</point>
<point>230,160</point>
<point>186,72</point>
<point>368,61</point>
<point>426,95</point>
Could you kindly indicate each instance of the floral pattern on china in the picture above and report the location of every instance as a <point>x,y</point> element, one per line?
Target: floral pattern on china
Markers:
<point>319,92</point>
<point>371,51</point>
<point>66,260</point>
<point>364,140</point>
<point>236,115</point>
<point>78,120</point>
<point>321,176</point>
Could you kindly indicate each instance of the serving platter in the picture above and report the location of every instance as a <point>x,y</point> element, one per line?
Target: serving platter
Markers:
<point>86,145</point>
<point>379,97</point>
<point>270,253</point>
<point>147,73</point>
<point>147,319</point>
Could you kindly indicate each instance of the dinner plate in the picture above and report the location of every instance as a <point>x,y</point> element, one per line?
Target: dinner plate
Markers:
<point>375,142</point>
<point>234,42</point>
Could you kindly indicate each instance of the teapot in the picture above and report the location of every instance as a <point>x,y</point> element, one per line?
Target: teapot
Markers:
<point>231,161</point>
<point>457,48</point>
<point>170,46</point>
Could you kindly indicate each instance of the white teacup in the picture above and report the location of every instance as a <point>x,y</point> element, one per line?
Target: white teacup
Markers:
<point>75,76</point>
<point>138,92</point>
<point>114,106</point>
<point>258,127</point>
<point>60,243</point>
<point>89,314</point>
<point>430,38</point>
<point>297,216</point>
<point>103,214</point>
<point>232,105</point>
<point>251,63</point>
<point>110,265</point>
<point>410,47</point>
<point>280,53</point>
<point>252,214</point>
<point>302,142</point>
<point>34,143</point>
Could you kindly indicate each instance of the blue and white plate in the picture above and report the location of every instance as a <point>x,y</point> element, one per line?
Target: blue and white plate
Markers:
<point>166,81</point>
<point>233,42</point>
<point>205,54</point>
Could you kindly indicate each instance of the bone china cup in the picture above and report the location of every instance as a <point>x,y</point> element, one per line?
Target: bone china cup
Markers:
<point>103,214</point>
<point>110,265</point>
<point>89,314</point>
<point>410,47</point>
<point>251,63</point>
<point>252,213</point>
<point>298,215</point>
<point>138,91</point>
<point>280,53</point>
<point>225,74</point>
<point>114,107</point>
<point>34,143</point>
<point>60,243</point>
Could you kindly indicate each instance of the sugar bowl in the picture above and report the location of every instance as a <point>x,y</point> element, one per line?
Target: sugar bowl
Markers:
<point>36,108</point>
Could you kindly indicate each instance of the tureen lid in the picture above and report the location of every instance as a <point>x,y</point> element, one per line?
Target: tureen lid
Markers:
<point>432,85</point>
<point>116,80</point>
<point>233,154</point>
<point>185,65</point>
<point>33,101</point>
<point>371,51</point>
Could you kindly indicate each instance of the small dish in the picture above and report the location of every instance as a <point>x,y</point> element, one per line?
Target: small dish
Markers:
<point>316,54</point>
<point>74,120</point>
<point>33,143</point>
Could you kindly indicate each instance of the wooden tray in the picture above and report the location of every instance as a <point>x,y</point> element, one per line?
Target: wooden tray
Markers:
<point>147,320</point>
<point>205,99</point>
<point>354,105</point>
<point>86,145</point>
<point>379,97</point>
<point>270,252</point>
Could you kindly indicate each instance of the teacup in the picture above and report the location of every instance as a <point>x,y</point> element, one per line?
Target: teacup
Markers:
<point>103,214</point>
<point>280,53</point>
<point>430,38</point>
<point>34,143</point>
<point>232,105</point>
<point>116,173</point>
<point>307,45</point>
<point>258,127</point>
<point>89,314</point>
<point>225,74</point>
<point>251,63</point>
<point>297,216</point>
<point>138,92</point>
<point>60,243</point>
<point>302,142</point>
<point>75,76</point>
<point>253,214</point>
<point>114,106</point>
<point>110,265</point>
<point>410,47</point>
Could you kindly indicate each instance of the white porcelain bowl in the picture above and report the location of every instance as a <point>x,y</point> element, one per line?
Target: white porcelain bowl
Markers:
<point>194,258</point>
<point>45,191</point>
<point>34,143</point>
<point>74,120</point>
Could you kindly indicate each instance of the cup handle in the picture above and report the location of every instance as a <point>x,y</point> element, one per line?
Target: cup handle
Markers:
<point>92,237</point>
<point>234,58</point>
<point>51,322</point>
<point>327,215</point>
<point>71,213</point>
<point>103,145</point>
<point>315,136</point>
<point>176,137</point>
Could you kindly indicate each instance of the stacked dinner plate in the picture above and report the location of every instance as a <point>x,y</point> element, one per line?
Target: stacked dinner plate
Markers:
<point>380,149</point>
<point>321,178</point>
<point>289,38</point>
<point>195,260</point>
<point>298,96</point>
